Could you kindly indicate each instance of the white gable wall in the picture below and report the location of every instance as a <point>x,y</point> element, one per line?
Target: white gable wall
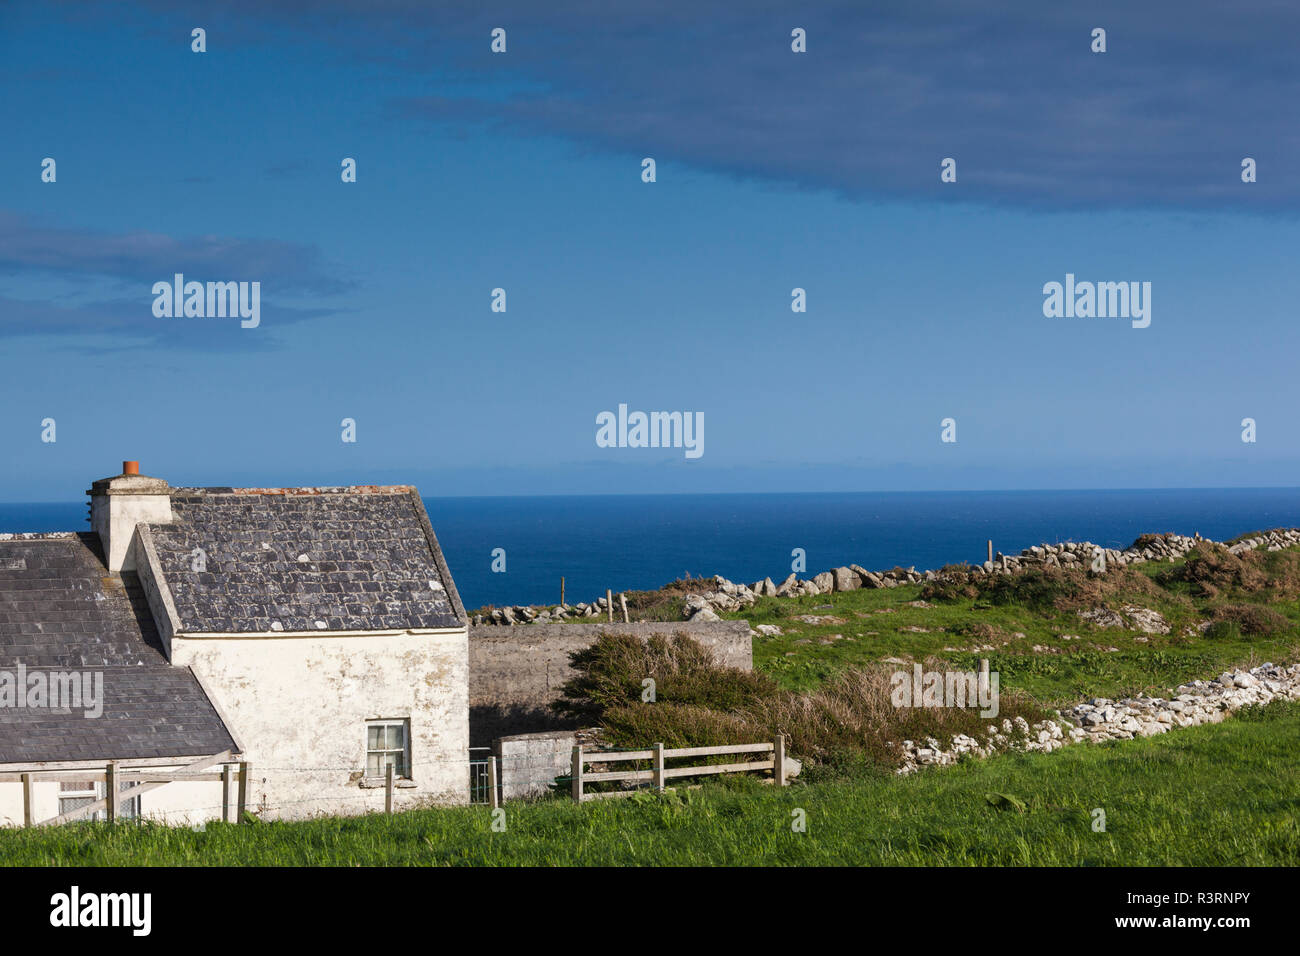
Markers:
<point>299,705</point>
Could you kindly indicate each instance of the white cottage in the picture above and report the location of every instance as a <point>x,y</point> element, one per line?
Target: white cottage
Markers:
<point>313,634</point>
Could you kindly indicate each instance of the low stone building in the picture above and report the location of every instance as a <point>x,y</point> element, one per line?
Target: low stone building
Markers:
<point>314,633</point>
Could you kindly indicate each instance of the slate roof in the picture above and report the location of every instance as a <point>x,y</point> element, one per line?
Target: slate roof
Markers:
<point>304,559</point>
<point>61,610</point>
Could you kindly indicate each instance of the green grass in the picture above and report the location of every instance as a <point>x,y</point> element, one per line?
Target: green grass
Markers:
<point>1226,794</point>
<point>873,625</point>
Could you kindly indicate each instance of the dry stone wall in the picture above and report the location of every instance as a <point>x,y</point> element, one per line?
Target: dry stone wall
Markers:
<point>729,596</point>
<point>1100,720</point>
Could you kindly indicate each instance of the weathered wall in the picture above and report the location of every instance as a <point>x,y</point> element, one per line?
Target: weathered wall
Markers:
<point>530,763</point>
<point>516,672</point>
<point>299,705</point>
<point>114,516</point>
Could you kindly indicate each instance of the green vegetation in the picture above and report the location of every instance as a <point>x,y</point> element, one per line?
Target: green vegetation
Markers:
<point>1221,794</point>
<point>1216,795</point>
<point>1029,627</point>
<point>849,723</point>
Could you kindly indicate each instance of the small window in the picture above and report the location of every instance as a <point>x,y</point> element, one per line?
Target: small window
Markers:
<point>79,793</point>
<point>388,744</point>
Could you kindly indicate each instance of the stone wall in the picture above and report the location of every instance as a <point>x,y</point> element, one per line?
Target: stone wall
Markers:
<point>516,672</point>
<point>729,596</point>
<point>1100,720</point>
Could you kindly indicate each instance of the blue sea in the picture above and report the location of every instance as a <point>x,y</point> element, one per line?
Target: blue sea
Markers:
<point>627,542</point>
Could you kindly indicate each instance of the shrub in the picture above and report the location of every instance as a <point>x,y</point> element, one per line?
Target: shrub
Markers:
<point>1252,619</point>
<point>673,725</point>
<point>952,582</point>
<point>610,673</point>
<point>848,724</point>
<point>1212,568</point>
<point>669,602</point>
<point>976,629</point>
<point>1039,588</point>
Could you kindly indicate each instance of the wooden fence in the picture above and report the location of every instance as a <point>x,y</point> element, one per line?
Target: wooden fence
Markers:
<point>659,774</point>
<point>144,780</point>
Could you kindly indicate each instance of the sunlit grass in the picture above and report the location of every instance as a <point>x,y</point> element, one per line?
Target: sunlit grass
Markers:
<point>1226,794</point>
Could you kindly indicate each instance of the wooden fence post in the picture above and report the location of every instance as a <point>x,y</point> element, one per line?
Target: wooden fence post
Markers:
<point>493,802</point>
<point>990,550</point>
<point>778,760</point>
<point>576,773</point>
<point>622,599</point>
<point>241,802</point>
<point>561,591</point>
<point>388,789</point>
<point>110,791</point>
<point>225,793</point>
<point>27,799</point>
<point>609,604</point>
<point>659,767</point>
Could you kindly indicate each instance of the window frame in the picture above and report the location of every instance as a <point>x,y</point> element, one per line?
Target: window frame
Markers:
<point>128,809</point>
<point>403,771</point>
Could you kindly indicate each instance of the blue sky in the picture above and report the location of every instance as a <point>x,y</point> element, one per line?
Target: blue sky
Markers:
<point>775,170</point>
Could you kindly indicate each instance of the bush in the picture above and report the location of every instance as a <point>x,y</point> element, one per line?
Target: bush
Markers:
<point>952,582</point>
<point>610,673</point>
<point>850,722</point>
<point>1252,619</point>
<point>1040,589</point>
<point>669,602</point>
<point>1212,569</point>
<point>673,725</point>
<point>976,629</point>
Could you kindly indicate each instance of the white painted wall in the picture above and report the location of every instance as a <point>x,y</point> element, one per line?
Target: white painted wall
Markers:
<point>178,804</point>
<point>299,706</point>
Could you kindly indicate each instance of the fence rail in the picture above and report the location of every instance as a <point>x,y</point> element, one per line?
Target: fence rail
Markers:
<point>137,782</point>
<point>123,785</point>
<point>659,774</point>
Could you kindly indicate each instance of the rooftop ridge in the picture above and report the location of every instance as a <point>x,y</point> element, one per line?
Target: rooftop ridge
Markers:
<point>306,491</point>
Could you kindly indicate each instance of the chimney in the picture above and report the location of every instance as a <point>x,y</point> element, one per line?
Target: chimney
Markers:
<point>118,504</point>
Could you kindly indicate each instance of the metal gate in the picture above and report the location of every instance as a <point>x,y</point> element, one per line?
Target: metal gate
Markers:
<point>478,774</point>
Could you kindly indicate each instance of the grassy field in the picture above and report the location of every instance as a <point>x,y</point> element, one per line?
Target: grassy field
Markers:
<point>1216,795</point>
<point>1226,794</point>
<point>1047,652</point>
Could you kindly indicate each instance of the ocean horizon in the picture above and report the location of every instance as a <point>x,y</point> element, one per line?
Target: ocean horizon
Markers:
<point>637,542</point>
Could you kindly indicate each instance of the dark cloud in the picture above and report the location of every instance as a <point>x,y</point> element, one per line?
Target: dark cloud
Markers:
<point>129,325</point>
<point>87,261</point>
<point>148,257</point>
<point>1009,89</point>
